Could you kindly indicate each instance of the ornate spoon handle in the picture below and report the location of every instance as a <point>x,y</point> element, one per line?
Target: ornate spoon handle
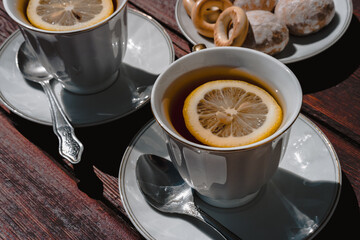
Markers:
<point>69,146</point>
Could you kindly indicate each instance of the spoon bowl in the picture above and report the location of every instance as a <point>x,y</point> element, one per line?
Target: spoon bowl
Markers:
<point>69,146</point>
<point>165,190</point>
<point>30,67</point>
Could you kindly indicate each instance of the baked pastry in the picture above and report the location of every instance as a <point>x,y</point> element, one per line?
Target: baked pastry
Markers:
<point>235,18</point>
<point>249,5</point>
<point>266,32</point>
<point>199,15</point>
<point>303,17</point>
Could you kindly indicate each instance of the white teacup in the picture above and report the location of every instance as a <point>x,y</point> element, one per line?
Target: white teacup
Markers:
<point>229,177</point>
<point>85,61</point>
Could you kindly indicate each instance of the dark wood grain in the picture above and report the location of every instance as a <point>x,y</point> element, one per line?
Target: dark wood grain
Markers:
<point>44,197</point>
<point>7,26</point>
<point>39,200</point>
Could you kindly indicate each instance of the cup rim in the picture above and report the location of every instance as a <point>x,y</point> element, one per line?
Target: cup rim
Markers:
<point>173,134</point>
<point>86,29</point>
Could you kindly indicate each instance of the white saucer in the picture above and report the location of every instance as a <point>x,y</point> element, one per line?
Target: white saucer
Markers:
<point>149,52</point>
<point>296,203</point>
<point>298,48</point>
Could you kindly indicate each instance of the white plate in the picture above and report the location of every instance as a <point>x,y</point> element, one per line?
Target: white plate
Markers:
<point>149,52</point>
<point>296,203</point>
<point>298,48</point>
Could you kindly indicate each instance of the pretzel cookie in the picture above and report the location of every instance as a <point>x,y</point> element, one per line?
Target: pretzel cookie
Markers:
<point>304,17</point>
<point>188,5</point>
<point>199,13</point>
<point>235,18</point>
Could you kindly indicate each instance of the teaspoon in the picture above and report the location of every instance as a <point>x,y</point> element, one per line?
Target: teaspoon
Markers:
<point>165,190</point>
<point>69,146</point>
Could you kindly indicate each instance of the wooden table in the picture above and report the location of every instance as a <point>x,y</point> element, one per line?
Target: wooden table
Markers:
<point>43,197</point>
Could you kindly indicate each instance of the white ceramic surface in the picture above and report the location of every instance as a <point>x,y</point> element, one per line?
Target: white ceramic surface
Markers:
<point>298,48</point>
<point>149,52</point>
<point>296,203</point>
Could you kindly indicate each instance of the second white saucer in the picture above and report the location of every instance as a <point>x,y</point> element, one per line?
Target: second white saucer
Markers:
<point>149,51</point>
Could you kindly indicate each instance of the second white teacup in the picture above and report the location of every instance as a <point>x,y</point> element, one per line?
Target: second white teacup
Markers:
<point>226,177</point>
<point>86,60</point>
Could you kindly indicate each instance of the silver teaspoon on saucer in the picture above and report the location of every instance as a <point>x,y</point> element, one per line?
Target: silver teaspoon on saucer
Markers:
<point>69,146</point>
<point>165,190</point>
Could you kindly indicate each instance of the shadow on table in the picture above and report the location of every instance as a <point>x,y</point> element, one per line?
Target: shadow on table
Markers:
<point>104,146</point>
<point>332,66</point>
<point>345,221</point>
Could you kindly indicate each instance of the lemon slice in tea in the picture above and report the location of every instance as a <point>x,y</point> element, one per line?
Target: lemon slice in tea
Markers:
<point>67,15</point>
<point>230,113</point>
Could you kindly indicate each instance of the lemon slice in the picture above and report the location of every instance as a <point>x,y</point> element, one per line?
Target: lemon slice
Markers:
<point>67,15</point>
<point>230,113</point>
